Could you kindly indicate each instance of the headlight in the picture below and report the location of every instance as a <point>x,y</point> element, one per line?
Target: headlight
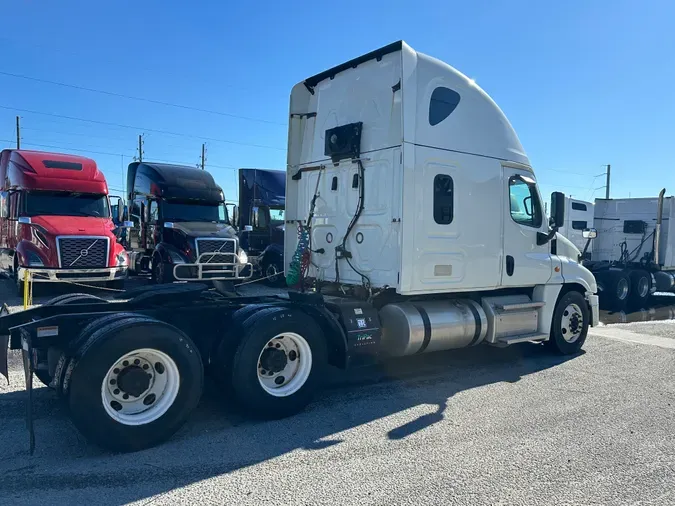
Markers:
<point>176,258</point>
<point>122,260</point>
<point>243,257</point>
<point>34,260</point>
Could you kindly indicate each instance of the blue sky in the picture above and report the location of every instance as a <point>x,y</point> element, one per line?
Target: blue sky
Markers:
<point>584,83</point>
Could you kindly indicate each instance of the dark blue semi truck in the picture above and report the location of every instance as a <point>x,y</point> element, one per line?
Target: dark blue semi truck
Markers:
<point>262,200</point>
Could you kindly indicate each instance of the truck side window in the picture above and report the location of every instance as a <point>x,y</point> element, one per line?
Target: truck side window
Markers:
<point>443,199</point>
<point>4,205</point>
<point>259,217</point>
<point>443,102</point>
<point>579,225</point>
<point>524,203</point>
<point>14,205</point>
<point>578,206</point>
<point>153,214</point>
<point>136,212</point>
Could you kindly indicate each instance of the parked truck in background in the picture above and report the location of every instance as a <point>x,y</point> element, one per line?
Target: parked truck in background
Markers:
<point>262,202</point>
<point>633,254</point>
<point>181,230</point>
<point>55,219</point>
<point>416,225</point>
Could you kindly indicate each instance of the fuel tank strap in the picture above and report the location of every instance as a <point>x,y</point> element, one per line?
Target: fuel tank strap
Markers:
<point>427,328</point>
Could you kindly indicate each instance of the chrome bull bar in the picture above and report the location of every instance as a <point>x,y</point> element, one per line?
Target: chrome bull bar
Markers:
<point>206,270</point>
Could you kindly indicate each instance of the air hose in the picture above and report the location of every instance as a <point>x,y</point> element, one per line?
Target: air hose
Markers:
<point>300,259</point>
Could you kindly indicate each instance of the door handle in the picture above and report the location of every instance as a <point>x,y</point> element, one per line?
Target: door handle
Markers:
<point>510,264</point>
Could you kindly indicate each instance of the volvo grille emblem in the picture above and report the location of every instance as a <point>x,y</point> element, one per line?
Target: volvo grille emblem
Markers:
<point>84,253</point>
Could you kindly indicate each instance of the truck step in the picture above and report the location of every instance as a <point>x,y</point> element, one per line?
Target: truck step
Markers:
<point>520,306</point>
<point>523,338</point>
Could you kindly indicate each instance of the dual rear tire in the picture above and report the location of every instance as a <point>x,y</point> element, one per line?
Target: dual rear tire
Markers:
<point>624,289</point>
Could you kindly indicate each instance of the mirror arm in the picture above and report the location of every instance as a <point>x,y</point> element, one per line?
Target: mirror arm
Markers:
<point>543,238</point>
<point>583,253</point>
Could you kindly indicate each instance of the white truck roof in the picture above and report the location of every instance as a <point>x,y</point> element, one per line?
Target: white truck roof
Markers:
<point>479,126</point>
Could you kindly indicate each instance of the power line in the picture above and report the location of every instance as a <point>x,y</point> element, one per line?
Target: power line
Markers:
<point>77,134</point>
<point>67,148</point>
<point>140,99</point>
<point>563,171</point>
<point>137,128</point>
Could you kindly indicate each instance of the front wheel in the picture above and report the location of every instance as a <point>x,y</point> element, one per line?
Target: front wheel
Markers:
<point>569,327</point>
<point>272,271</point>
<point>279,363</point>
<point>161,271</point>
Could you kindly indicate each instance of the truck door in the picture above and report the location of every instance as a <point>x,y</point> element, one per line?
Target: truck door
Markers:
<point>525,262</point>
<point>153,218</point>
<point>135,231</point>
<point>259,237</point>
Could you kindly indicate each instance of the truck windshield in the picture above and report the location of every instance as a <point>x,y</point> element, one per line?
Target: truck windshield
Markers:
<point>65,204</point>
<point>173,210</point>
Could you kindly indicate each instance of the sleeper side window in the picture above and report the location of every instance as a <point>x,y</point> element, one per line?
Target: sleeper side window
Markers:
<point>444,189</point>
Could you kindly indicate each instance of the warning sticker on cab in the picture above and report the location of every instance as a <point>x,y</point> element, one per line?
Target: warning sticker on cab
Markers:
<point>48,331</point>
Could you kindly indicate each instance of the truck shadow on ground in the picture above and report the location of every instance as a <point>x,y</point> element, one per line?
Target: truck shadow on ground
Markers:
<point>217,440</point>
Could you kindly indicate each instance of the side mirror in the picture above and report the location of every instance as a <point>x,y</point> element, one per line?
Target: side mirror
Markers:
<point>248,228</point>
<point>120,210</point>
<point>235,216</point>
<point>25,220</point>
<point>557,209</point>
<point>589,233</point>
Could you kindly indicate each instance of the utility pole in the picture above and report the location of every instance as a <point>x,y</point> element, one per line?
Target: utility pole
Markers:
<point>140,148</point>
<point>607,185</point>
<point>203,162</point>
<point>18,134</point>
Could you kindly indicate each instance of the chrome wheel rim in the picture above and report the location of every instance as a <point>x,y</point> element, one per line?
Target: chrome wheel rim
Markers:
<point>271,272</point>
<point>643,287</point>
<point>572,323</point>
<point>284,364</point>
<point>622,289</point>
<point>140,387</point>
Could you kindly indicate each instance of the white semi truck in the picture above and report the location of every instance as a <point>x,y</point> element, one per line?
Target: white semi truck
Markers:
<point>414,224</point>
<point>632,253</point>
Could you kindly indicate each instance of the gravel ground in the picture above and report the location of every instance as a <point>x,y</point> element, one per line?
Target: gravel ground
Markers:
<point>479,426</point>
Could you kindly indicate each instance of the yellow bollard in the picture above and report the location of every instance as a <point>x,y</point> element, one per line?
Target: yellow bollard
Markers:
<point>27,290</point>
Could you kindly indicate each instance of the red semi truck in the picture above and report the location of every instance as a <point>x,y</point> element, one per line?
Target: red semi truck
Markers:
<point>55,219</point>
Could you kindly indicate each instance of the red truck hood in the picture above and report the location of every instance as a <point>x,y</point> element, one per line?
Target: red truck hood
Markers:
<point>75,225</point>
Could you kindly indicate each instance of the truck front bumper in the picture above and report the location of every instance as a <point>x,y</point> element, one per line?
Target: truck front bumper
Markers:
<point>594,304</point>
<point>49,275</point>
<point>203,270</point>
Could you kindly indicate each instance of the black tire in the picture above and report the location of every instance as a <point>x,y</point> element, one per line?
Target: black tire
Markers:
<point>19,284</point>
<point>241,369</point>
<point>74,298</point>
<point>225,288</point>
<point>641,284</point>
<point>272,271</point>
<point>560,329</point>
<point>162,272</point>
<point>618,289</point>
<point>101,350</point>
<point>69,298</point>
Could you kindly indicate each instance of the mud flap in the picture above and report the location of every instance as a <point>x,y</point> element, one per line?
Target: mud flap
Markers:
<point>27,355</point>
